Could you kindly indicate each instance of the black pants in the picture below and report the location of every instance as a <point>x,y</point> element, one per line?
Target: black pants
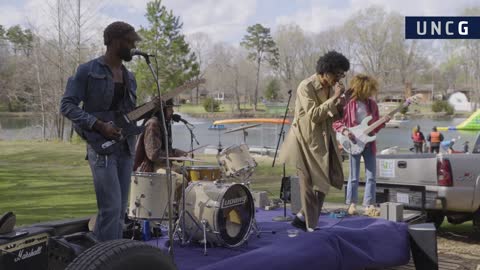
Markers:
<point>418,147</point>
<point>434,148</point>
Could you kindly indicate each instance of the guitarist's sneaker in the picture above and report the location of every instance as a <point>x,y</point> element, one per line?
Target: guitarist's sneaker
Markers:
<point>352,209</point>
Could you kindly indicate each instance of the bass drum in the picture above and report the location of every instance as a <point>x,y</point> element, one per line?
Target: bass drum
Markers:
<point>226,209</point>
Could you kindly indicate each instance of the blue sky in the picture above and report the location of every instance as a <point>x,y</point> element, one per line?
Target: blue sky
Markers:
<point>227,20</point>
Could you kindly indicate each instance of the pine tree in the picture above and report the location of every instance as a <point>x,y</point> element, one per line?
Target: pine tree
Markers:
<point>174,63</point>
<point>262,48</point>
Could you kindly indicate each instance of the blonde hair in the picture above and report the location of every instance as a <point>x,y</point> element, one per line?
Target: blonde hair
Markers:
<point>363,86</point>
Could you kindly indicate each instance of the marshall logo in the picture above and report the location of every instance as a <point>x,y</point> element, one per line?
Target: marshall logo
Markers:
<point>233,202</point>
<point>27,253</point>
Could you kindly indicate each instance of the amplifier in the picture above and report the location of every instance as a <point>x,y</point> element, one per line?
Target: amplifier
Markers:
<point>24,249</point>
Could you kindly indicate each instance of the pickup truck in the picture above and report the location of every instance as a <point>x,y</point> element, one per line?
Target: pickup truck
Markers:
<point>441,185</point>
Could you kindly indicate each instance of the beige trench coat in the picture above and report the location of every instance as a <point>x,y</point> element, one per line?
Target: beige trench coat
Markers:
<point>306,145</point>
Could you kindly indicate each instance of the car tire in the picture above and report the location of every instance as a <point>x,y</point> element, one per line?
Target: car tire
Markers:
<point>122,254</point>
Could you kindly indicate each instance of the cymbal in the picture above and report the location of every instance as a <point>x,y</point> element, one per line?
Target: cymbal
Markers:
<point>242,128</point>
<point>182,159</point>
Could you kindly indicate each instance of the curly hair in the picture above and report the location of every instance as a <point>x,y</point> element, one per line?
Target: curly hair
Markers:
<point>116,30</point>
<point>332,62</point>
<point>363,87</point>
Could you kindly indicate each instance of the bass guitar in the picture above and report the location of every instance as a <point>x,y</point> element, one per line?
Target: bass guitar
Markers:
<point>363,130</point>
<point>127,122</point>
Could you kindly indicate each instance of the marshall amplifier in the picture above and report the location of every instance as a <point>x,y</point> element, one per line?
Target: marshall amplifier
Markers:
<point>24,249</point>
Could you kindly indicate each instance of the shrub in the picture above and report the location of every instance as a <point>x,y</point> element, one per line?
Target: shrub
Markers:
<point>211,105</point>
<point>442,105</point>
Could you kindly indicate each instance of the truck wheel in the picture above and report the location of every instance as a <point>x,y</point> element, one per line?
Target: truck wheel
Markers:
<point>121,255</point>
<point>476,219</point>
<point>436,218</point>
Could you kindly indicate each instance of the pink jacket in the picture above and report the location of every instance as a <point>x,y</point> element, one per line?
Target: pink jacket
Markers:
<point>349,117</point>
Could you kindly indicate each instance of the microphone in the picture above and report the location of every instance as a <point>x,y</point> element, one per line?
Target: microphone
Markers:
<point>134,52</point>
<point>177,118</point>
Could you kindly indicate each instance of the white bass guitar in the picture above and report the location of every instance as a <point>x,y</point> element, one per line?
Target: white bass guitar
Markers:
<point>363,130</point>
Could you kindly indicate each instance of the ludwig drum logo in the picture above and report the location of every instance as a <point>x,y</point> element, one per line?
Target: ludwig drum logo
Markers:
<point>233,202</point>
<point>467,27</point>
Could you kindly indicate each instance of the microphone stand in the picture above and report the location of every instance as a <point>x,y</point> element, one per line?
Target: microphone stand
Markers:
<point>284,198</point>
<point>192,138</point>
<point>169,173</point>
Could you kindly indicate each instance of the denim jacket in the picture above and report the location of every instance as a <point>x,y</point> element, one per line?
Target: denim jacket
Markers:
<point>93,85</point>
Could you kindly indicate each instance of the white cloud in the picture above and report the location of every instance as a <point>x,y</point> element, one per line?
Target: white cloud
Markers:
<point>319,17</point>
<point>10,15</point>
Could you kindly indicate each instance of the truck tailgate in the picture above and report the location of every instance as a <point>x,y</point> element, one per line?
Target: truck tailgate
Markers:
<point>415,169</point>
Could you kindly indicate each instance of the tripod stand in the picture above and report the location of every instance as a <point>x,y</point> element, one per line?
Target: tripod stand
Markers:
<point>180,227</point>
<point>285,187</point>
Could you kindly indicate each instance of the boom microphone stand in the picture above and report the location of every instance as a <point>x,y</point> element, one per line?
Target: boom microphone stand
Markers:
<point>285,180</point>
<point>169,173</point>
<point>190,128</point>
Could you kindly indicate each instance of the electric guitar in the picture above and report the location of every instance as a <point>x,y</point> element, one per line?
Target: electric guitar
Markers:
<point>363,130</point>
<point>125,121</point>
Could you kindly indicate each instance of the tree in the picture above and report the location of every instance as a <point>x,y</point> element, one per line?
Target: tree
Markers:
<point>174,63</point>
<point>292,45</point>
<point>262,48</point>
<point>20,39</point>
<point>201,44</point>
<point>272,90</point>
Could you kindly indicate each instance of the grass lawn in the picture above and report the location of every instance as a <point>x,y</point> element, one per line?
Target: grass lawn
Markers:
<point>42,181</point>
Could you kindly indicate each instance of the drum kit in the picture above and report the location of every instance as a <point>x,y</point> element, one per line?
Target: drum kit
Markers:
<point>210,209</point>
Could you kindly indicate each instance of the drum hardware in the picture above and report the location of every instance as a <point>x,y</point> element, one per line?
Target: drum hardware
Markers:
<point>244,130</point>
<point>180,224</point>
<point>218,128</point>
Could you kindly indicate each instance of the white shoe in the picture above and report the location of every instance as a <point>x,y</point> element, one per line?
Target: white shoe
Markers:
<point>372,211</point>
<point>352,209</point>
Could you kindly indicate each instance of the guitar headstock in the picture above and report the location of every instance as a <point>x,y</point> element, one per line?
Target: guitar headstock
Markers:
<point>415,99</point>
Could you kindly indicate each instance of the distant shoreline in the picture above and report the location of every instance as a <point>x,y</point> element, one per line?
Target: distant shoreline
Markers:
<point>225,115</point>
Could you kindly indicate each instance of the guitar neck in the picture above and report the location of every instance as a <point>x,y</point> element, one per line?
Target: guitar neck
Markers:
<point>147,107</point>
<point>382,120</point>
<point>140,111</point>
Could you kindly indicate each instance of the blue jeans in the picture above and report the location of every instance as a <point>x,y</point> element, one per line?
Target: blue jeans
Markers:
<point>111,178</point>
<point>370,168</point>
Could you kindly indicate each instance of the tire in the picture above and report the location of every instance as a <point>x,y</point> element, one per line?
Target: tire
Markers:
<point>122,254</point>
<point>436,218</point>
<point>476,220</point>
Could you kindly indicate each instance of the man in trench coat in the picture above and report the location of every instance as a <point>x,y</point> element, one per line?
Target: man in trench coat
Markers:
<point>311,144</point>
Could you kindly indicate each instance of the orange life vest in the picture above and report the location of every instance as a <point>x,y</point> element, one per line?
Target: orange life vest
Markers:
<point>435,137</point>
<point>416,137</point>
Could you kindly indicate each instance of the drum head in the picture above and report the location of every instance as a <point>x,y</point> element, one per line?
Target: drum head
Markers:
<point>235,215</point>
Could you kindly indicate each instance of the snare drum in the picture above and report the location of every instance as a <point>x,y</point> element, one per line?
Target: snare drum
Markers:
<point>204,173</point>
<point>149,196</point>
<point>227,210</point>
<point>237,161</point>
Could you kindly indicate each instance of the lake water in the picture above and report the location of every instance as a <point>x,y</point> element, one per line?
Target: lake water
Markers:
<point>266,135</point>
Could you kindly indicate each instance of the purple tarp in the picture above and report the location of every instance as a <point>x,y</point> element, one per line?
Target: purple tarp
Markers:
<point>349,243</point>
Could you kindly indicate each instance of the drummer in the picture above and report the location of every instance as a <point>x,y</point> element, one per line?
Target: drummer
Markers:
<point>150,149</point>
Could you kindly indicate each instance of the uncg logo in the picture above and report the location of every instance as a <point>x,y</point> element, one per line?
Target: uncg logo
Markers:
<point>442,27</point>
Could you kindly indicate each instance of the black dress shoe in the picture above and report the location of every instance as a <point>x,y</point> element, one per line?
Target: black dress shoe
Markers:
<point>298,223</point>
